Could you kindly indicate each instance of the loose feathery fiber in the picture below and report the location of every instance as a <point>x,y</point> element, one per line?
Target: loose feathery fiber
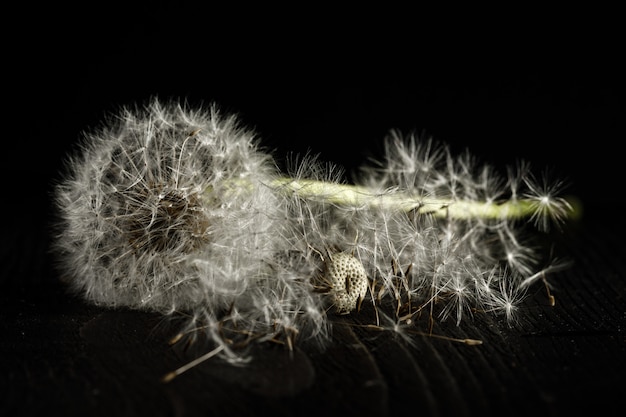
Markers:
<point>180,211</point>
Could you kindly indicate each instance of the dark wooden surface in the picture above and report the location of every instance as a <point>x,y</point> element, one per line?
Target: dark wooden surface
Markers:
<point>334,85</point>
<point>61,355</point>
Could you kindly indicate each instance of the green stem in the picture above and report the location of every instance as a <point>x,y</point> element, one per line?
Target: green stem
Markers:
<point>359,196</point>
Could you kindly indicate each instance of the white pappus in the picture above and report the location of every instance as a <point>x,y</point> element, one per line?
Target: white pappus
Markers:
<point>178,210</point>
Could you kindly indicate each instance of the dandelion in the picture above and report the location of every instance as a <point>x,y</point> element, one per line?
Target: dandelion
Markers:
<point>180,211</point>
<point>152,218</point>
<point>137,227</point>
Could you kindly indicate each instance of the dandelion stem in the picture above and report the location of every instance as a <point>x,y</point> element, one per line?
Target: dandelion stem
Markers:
<point>351,195</point>
<point>359,196</point>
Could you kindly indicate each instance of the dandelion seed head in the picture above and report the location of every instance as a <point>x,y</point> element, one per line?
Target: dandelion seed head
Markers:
<point>136,227</point>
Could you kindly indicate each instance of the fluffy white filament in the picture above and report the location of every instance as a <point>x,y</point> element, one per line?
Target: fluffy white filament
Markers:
<point>178,210</point>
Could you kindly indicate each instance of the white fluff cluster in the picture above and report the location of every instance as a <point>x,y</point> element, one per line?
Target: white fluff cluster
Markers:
<point>152,218</point>
<point>179,211</point>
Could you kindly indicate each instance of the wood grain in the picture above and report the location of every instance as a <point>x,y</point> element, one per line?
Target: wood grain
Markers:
<point>61,355</point>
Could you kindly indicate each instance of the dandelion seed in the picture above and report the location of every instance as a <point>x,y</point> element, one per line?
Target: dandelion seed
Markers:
<point>547,206</point>
<point>171,375</point>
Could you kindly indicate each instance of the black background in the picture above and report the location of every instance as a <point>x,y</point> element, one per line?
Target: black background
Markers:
<point>546,88</point>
